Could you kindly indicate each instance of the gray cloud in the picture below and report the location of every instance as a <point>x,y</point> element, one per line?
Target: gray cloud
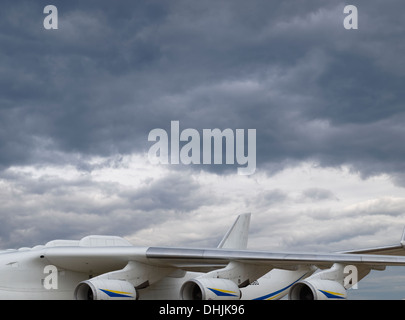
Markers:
<point>318,194</point>
<point>111,73</point>
<point>43,206</point>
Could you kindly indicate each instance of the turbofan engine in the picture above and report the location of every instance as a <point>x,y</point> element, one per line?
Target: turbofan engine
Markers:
<point>317,289</point>
<point>210,289</point>
<point>104,289</point>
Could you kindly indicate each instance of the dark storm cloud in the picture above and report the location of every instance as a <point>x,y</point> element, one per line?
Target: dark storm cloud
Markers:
<point>112,72</point>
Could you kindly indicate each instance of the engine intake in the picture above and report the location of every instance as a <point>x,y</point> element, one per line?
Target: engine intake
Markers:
<point>210,289</point>
<point>103,289</point>
<point>317,290</point>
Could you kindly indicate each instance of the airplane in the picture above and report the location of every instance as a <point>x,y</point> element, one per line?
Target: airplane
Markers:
<point>111,268</point>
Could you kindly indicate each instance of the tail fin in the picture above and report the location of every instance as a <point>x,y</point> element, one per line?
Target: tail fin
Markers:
<point>237,235</point>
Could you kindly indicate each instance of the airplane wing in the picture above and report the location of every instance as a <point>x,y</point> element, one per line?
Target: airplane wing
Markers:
<point>103,259</point>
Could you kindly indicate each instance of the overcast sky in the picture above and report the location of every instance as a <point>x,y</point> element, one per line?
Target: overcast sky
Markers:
<point>77,105</point>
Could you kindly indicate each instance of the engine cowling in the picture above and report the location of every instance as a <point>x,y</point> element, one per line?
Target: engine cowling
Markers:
<point>104,289</point>
<point>210,289</point>
<point>317,289</point>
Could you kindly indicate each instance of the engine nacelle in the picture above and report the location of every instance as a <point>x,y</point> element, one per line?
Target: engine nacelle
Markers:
<point>104,289</point>
<point>210,289</point>
<point>317,289</point>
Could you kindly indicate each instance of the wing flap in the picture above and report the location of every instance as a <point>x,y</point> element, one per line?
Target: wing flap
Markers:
<point>395,250</point>
<point>179,256</point>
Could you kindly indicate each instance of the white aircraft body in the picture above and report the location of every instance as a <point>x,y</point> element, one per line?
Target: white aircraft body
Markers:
<point>110,268</point>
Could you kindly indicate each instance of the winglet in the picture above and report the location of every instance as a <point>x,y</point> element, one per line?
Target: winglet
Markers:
<point>237,235</point>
